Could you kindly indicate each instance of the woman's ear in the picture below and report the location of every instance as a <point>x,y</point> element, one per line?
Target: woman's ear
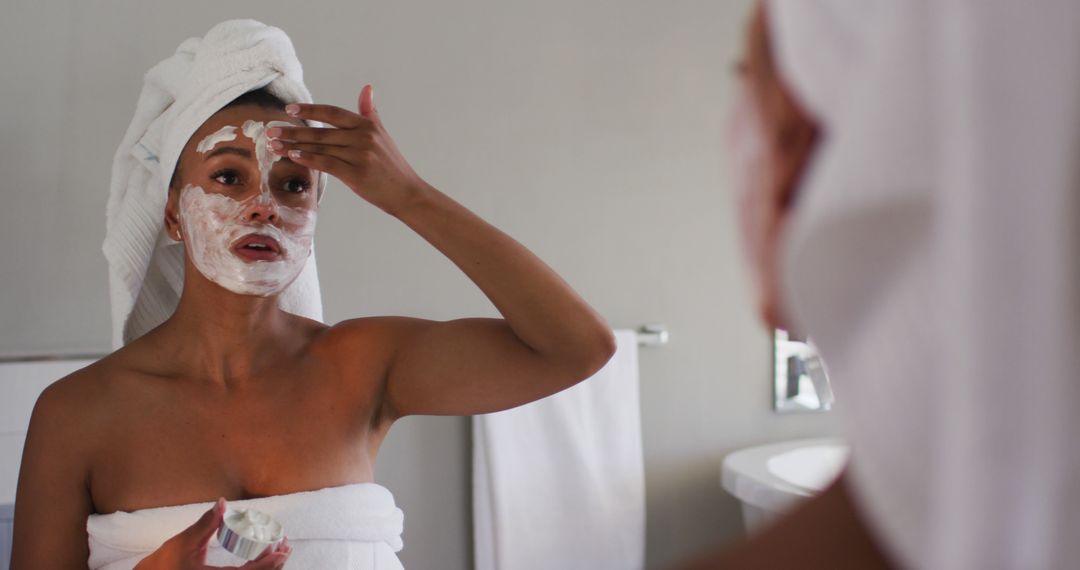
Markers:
<point>172,215</point>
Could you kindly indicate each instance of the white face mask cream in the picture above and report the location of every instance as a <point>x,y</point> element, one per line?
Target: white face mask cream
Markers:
<point>246,254</point>
<point>226,133</point>
<point>256,131</point>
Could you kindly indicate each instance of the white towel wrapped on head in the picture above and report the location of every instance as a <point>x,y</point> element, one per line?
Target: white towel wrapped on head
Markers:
<point>816,45</point>
<point>933,257</point>
<point>179,94</point>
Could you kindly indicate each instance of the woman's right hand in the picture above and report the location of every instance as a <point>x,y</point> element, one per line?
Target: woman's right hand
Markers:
<point>187,550</point>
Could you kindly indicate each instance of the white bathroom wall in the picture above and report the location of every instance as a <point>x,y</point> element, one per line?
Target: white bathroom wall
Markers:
<point>592,131</point>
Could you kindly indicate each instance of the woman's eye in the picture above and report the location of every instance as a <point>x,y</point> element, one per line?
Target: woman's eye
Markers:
<point>227,177</point>
<point>297,185</point>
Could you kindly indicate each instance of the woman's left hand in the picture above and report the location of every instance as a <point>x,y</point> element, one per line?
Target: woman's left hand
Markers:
<point>359,151</point>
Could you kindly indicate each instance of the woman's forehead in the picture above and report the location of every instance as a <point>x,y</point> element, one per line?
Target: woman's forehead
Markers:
<point>235,117</point>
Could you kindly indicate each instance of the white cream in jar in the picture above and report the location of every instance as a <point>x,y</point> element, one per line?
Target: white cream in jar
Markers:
<point>254,525</point>
<point>248,533</point>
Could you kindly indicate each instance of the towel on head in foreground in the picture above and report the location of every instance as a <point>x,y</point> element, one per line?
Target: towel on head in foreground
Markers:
<point>817,45</point>
<point>146,267</point>
<point>933,258</point>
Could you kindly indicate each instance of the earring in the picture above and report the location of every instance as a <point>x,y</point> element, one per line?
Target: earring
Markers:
<point>179,236</point>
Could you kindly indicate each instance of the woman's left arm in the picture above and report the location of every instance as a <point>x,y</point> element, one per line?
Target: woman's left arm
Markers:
<point>550,338</point>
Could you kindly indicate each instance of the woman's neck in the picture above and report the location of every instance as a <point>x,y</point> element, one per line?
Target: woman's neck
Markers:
<point>225,338</point>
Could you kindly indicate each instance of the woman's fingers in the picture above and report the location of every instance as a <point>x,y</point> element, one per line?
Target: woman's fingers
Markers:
<point>271,558</point>
<point>282,546</point>
<point>322,162</point>
<point>366,103</point>
<point>321,135</point>
<point>275,560</point>
<point>347,155</point>
<point>341,118</point>
<point>197,534</point>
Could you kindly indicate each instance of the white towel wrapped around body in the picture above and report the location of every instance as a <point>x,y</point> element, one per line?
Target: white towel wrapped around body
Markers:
<point>179,94</point>
<point>355,526</point>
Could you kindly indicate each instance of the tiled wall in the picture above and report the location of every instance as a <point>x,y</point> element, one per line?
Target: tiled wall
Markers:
<point>7,512</point>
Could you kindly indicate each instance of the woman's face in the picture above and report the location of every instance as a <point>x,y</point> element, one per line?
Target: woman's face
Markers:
<point>770,143</point>
<point>245,214</point>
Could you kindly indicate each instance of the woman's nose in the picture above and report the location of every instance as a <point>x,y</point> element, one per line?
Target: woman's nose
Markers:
<point>261,208</point>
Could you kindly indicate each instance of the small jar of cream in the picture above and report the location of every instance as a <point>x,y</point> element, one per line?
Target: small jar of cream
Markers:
<point>247,533</point>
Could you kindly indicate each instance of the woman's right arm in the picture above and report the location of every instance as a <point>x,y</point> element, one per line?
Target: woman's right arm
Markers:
<point>52,500</point>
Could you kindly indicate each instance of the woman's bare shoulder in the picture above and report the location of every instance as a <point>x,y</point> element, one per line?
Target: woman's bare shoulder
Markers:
<point>366,336</point>
<point>92,378</point>
<point>360,348</point>
<point>68,403</point>
<point>69,391</point>
<point>64,422</point>
<point>53,488</point>
<point>87,398</point>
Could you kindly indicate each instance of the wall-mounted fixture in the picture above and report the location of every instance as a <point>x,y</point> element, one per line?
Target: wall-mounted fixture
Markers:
<point>800,380</point>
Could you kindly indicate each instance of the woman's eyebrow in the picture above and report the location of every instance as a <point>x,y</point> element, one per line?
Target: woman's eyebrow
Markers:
<point>229,150</point>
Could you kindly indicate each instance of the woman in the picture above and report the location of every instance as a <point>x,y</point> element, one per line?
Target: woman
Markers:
<point>232,397</point>
<point>776,132</point>
<point>932,255</point>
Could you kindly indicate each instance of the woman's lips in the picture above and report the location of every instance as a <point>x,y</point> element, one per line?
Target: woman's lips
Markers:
<point>255,247</point>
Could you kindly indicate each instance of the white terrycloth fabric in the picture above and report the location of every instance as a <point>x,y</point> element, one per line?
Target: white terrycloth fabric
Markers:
<point>145,266</point>
<point>354,526</point>
<point>817,44</point>
<point>559,483</point>
<point>934,259</point>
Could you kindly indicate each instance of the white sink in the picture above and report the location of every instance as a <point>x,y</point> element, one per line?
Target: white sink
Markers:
<point>811,467</point>
<point>771,479</point>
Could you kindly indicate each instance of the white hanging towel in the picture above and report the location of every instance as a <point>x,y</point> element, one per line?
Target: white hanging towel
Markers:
<point>560,483</point>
